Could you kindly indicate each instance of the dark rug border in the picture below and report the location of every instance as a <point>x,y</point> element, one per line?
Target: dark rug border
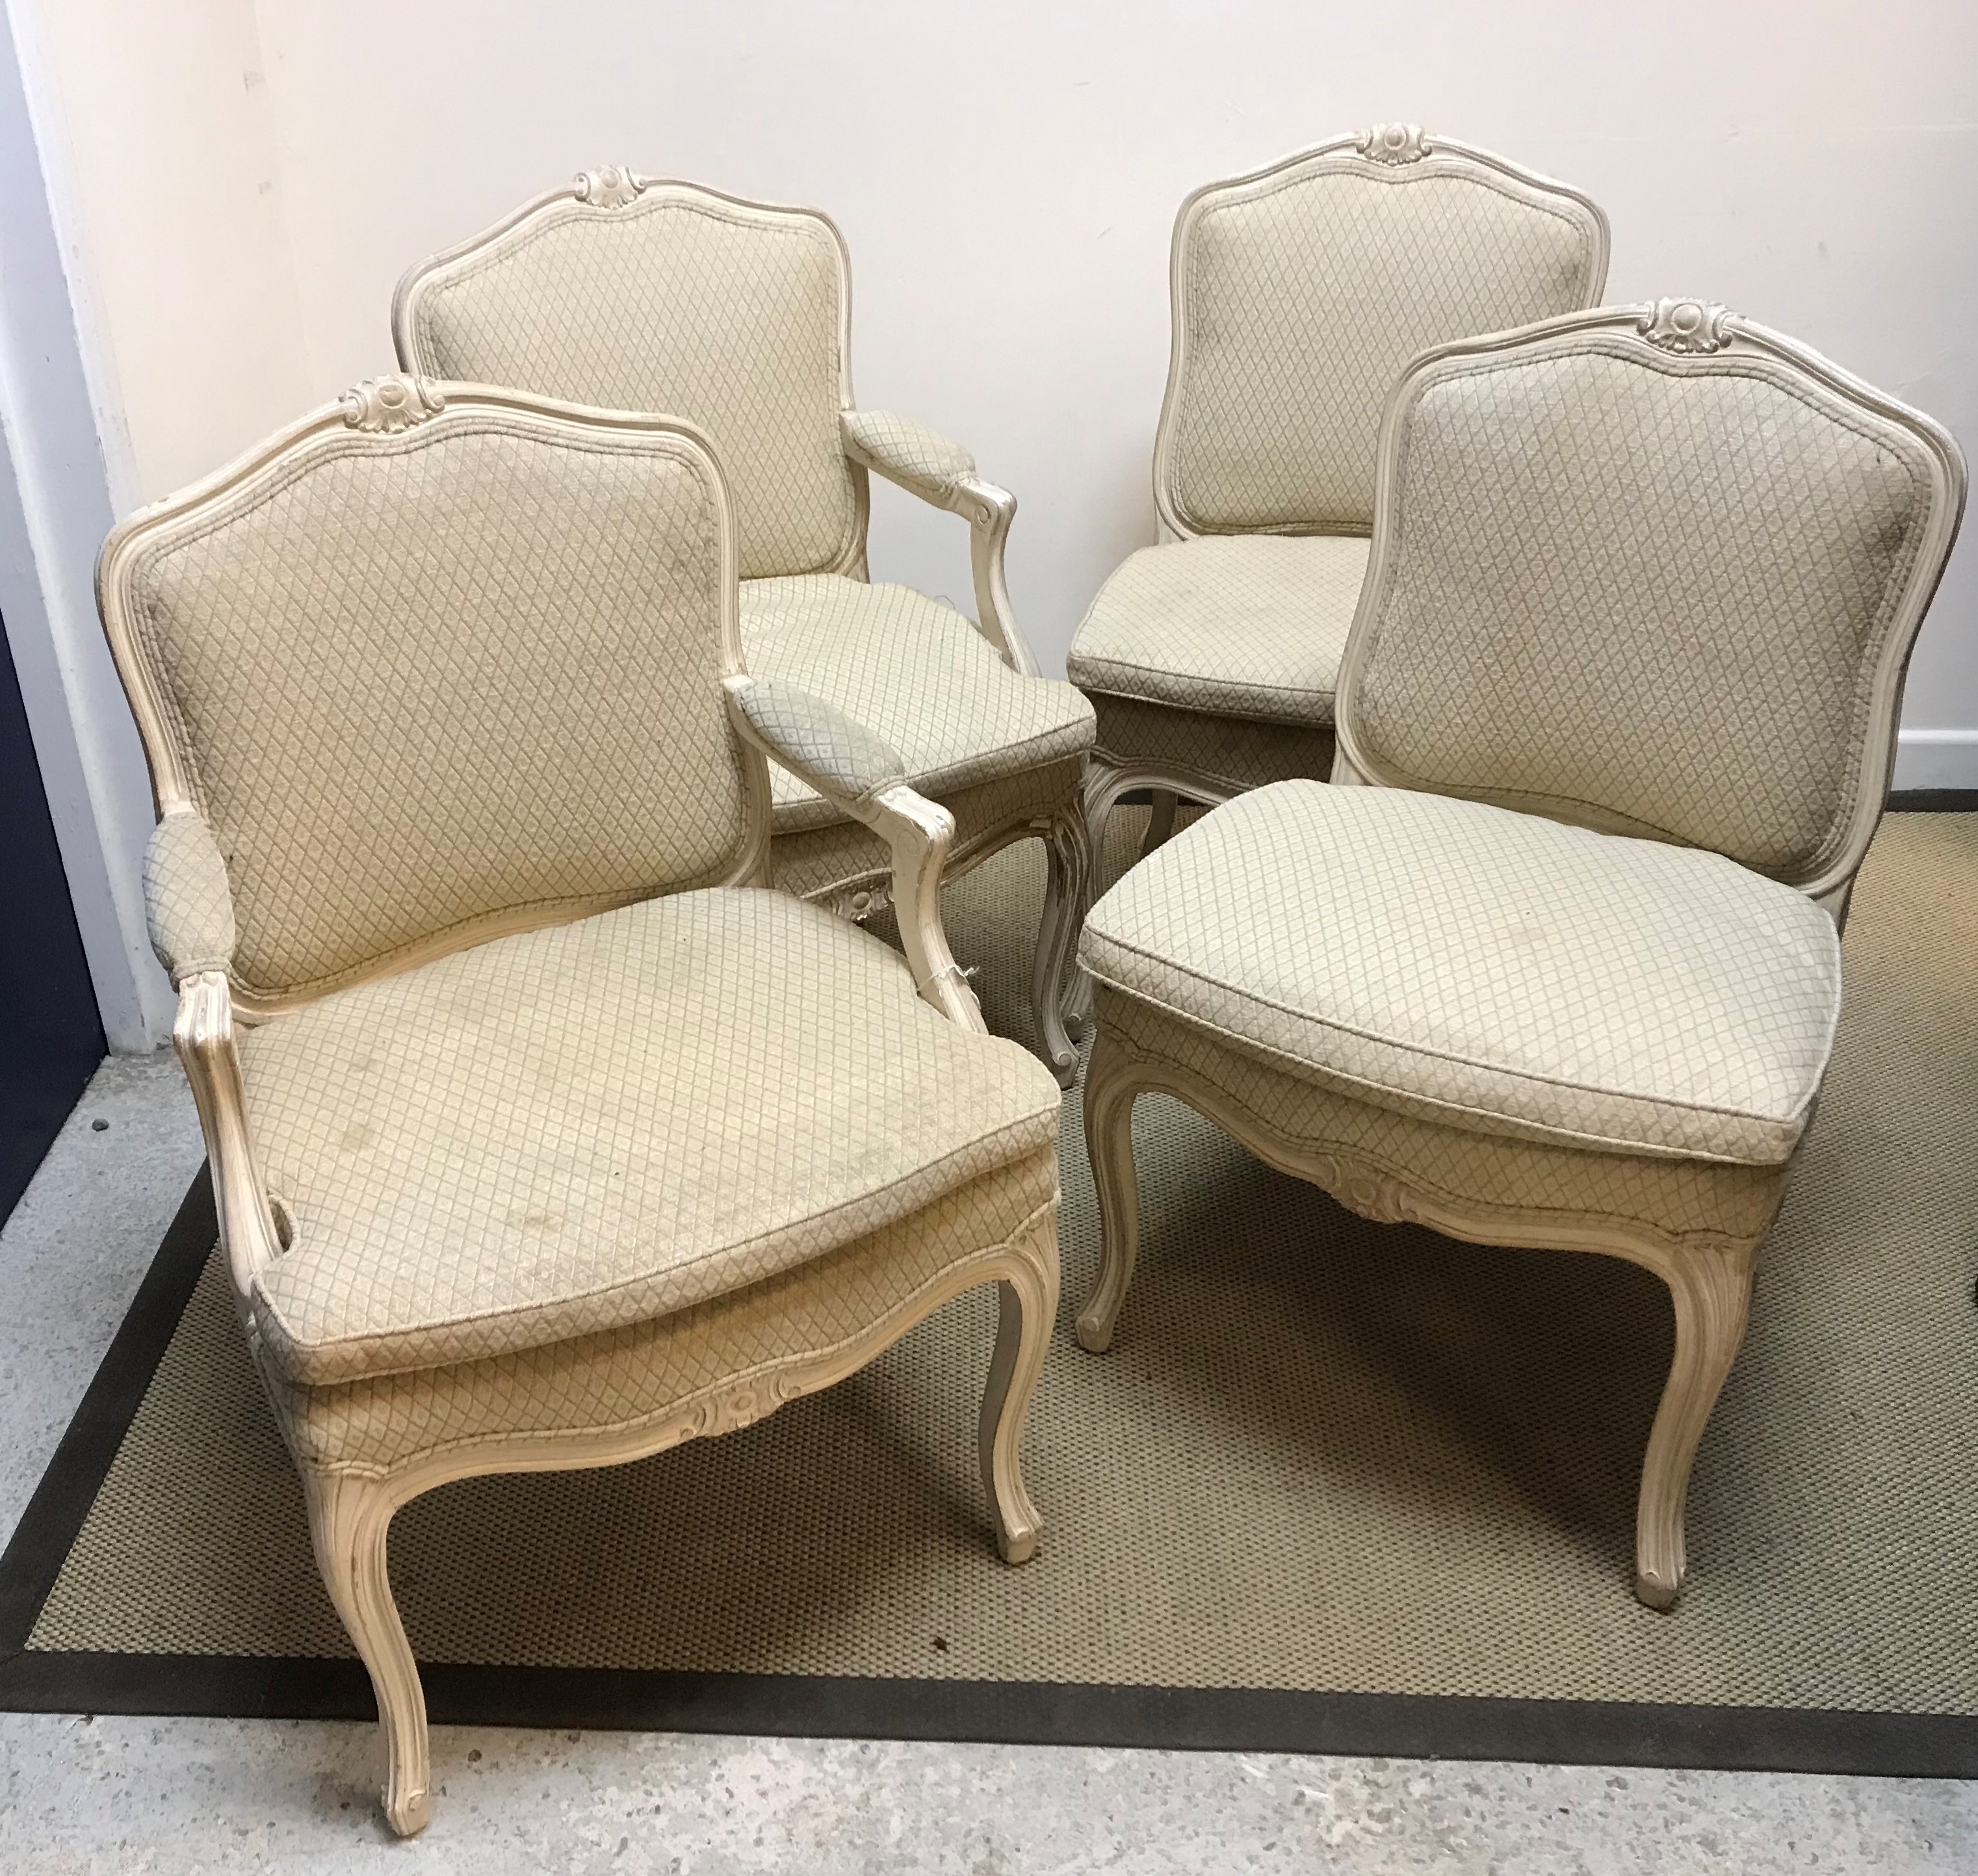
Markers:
<point>1933,801</point>
<point>1576,1732</point>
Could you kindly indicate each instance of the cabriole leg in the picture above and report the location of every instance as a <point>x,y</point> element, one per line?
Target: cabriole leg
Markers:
<point>348,1519</point>
<point>1110,1091</point>
<point>1711,1291</point>
<point>1026,1302</point>
<point>1067,888</point>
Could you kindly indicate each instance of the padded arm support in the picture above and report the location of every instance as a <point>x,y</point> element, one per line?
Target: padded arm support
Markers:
<point>187,901</point>
<point>908,453</point>
<point>816,741</point>
<point>926,464</point>
<point>855,771</point>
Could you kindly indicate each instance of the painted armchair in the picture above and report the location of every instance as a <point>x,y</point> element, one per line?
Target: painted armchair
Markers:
<point>538,1141</point>
<point>1299,291</point>
<point>633,292</point>
<point>1560,967</point>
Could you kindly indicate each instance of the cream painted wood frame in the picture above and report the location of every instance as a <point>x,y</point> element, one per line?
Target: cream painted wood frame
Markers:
<point>1399,154</point>
<point>351,1506</point>
<point>987,508</point>
<point>1709,1273</point>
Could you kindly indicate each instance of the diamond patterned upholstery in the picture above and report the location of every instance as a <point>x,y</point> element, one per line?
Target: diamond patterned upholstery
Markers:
<point>573,1129</point>
<point>818,744</point>
<point>923,460</point>
<point>1300,294</point>
<point>1645,595</point>
<point>722,312</point>
<point>187,903</point>
<point>916,674</point>
<point>620,1378</point>
<point>1234,752</point>
<point>1492,971</point>
<point>1242,625</point>
<point>533,719</point>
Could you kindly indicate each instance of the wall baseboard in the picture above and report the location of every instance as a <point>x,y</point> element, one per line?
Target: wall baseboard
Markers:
<point>1937,758</point>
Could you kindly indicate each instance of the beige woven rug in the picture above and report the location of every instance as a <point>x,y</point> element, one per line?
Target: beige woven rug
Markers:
<point>1323,1454</point>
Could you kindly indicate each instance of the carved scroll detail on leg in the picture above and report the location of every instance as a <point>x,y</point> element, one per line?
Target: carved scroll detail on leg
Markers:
<point>1026,1303</point>
<point>348,1520</point>
<point>1111,1081</point>
<point>1066,886</point>
<point>1711,1291</point>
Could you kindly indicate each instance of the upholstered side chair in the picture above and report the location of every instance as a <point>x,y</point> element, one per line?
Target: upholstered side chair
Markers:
<point>1299,291</point>
<point>636,294</point>
<point>538,1140</point>
<point>1561,967</point>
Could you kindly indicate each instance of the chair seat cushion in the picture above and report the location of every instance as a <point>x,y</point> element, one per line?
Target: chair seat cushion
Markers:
<point>915,674</point>
<point>1241,625</point>
<point>596,1124</point>
<point>1492,970</point>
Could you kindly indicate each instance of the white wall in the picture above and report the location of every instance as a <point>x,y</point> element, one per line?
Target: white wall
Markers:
<point>252,176</point>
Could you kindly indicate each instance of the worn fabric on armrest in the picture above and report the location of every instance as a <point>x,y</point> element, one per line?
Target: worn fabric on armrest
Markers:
<point>817,743</point>
<point>188,903</point>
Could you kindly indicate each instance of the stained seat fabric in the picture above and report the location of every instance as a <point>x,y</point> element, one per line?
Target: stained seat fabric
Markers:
<point>1240,625</point>
<point>566,1131</point>
<point>1492,970</point>
<point>914,673</point>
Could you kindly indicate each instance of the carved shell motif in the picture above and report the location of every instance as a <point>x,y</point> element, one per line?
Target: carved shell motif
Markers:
<point>609,187</point>
<point>394,402</point>
<point>1393,143</point>
<point>1685,325</point>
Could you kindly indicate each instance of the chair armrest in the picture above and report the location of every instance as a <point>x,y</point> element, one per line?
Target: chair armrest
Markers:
<point>188,905</point>
<point>203,1038</point>
<point>931,465</point>
<point>859,774</point>
<point>928,464</point>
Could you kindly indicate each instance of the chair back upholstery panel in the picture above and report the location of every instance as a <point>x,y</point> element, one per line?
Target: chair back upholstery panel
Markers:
<point>1300,292</point>
<point>428,684</point>
<point>1665,591</point>
<point>730,314</point>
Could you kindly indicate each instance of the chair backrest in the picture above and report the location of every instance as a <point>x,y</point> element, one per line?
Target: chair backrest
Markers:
<point>1652,569</point>
<point>436,663</point>
<point>636,294</point>
<point>1300,291</point>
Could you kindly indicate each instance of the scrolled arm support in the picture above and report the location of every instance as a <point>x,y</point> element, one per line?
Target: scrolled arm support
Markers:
<point>942,472</point>
<point>203,1038</point>
<point>863,778</point>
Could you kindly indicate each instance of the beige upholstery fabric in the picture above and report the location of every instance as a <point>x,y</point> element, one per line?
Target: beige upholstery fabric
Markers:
<point>623,1376</point>
<point>1237,753</point>
<point>1490,970</point>
<point>188,905</point>
<point>1303,294</point>
<point>682,303</point>
<point>390,743</point>
<point>916,674</point>
<point>1648,595</point>
<point>574,1129</point>
<point>822,746</point>
<point>1246,625</point>
<point>1524,1182</point>
<point>921,459</point>
<point>816,860</point>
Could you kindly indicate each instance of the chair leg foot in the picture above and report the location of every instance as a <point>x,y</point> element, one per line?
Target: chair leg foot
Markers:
<point>349,1520</point>
<point>1067,888</point>
<point>1711,1292</point>
<point>1026,1305</point>
<point>1110,1089</point>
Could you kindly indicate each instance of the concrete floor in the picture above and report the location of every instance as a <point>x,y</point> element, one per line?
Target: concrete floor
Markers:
<point>104,1793</point>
